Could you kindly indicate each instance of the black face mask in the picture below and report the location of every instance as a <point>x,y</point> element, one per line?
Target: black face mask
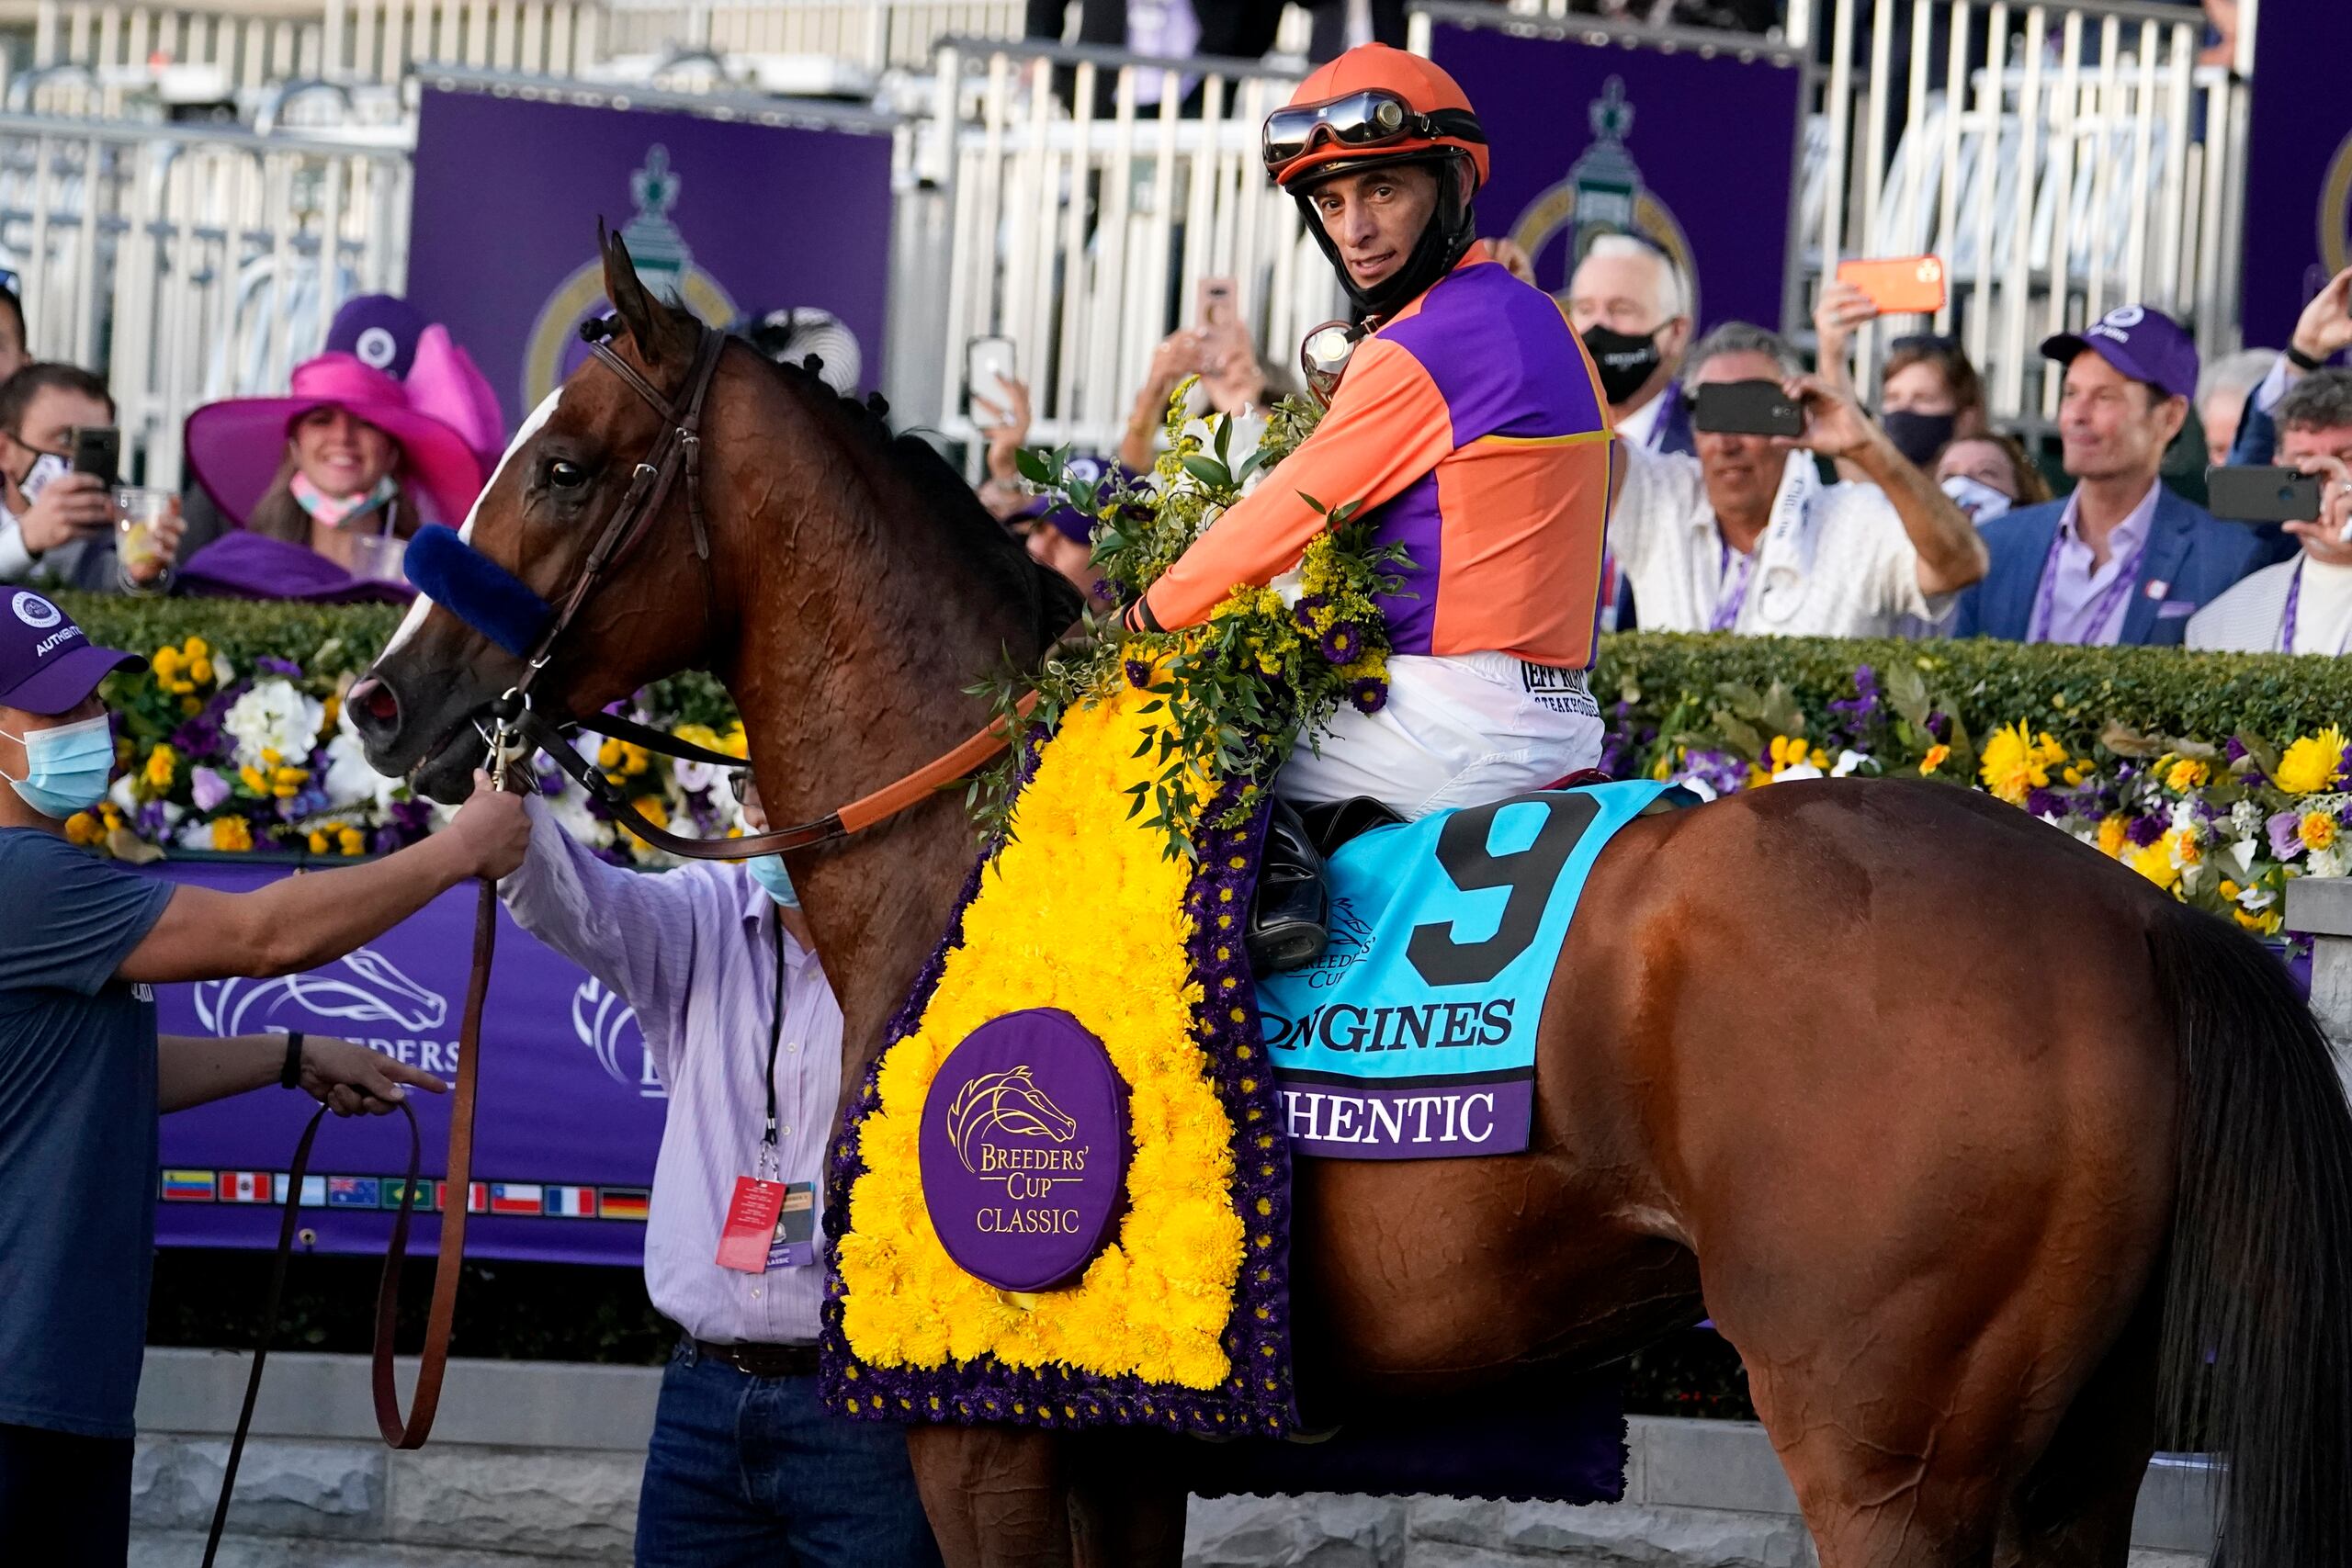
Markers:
<point>1449,236</point>
<point>1918,436</point>
<point>1626,361</point>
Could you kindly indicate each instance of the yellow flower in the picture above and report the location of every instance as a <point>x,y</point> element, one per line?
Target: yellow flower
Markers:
<point>2182,844</point>
<point>199,669</point>
<point>1937,755</point>
<point>190,707</point>
<point>652,808</point>
<point>158,770</point>
<point>2112,831</point>
<point>82,828</point>
<point>2262,922</point>
<point>2011,765</point>
<point>195,648</point>
<point>351,841</point>
<point>251,779</point>
<point>318,841</point>
<point>269,757</point>
<point>167,662</point>
<point>2154,862</point>
<point>2317,829</point>
<point>286,782</point>
<point>608,755</point>
<point>2312,764</point>
<point>2186,774</point>
<point>231,833</point>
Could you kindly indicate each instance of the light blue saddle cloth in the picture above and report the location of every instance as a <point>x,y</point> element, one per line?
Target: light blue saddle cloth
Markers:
<point>1414,1037</point>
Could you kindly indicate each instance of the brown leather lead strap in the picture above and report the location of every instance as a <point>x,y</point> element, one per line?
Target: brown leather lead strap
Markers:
<point>892,800</point>
<point>435,1357</point>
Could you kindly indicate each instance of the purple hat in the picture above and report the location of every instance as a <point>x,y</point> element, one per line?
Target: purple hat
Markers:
<point>2139,341</point>
<point>380,331</point>
<point>46,664</point>
<point>1067,520</point>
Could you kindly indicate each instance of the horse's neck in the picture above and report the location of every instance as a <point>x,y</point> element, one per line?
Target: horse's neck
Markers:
<point>849,680</point>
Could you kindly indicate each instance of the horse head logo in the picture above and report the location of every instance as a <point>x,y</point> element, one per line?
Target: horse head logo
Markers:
<point>371,989</point>
<point>1008,1102</point>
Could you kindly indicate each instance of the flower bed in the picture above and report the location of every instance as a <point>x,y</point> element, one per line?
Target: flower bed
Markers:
<point>2219,776</point>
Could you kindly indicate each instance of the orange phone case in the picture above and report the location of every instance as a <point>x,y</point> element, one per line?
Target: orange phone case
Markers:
<point>1904,285</point>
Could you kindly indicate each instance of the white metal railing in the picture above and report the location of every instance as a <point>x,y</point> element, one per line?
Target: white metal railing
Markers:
<point>191,262</point>
<point>1083,239</point>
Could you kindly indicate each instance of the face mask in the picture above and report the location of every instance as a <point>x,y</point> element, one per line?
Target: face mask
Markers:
<point>1919,436</point>
<point>1979,499</point>
<point>1626,360</point>
<point>769,872</point>
<point>46,466</point>
<point>67,767</point>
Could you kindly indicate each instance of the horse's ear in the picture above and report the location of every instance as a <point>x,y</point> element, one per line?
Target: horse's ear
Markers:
<point>654,327</point>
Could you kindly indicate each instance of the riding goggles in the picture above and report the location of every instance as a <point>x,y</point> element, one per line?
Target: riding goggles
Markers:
<point>1369,119</point>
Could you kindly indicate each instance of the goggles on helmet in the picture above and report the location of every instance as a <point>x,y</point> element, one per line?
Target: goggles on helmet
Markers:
<point>1371,118</point>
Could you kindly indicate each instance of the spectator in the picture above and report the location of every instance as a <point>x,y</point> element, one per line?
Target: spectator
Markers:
<point>2303,606</point>
<point>2122,558</point>
<point>1628,304</point>
<point>2222,393</point>
<point>84,1072</point>
<point>745,1465</point>
<point>1514,259</point>
<point>57,525</point>
<point>1928,393</point>
<point>342,464</point>
<point>2322,332</point>
<point>1989,474</point>
<point>1745,537</point>
<point>1001,488</point>
<point>1061,538</point>
<point>13,353</point>
<point>1233,383</point>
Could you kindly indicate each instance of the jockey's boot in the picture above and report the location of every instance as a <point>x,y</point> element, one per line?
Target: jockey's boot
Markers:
<point>1288,926</point>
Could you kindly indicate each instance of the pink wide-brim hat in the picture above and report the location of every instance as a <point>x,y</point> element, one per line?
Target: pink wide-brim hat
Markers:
<point>238,447</point>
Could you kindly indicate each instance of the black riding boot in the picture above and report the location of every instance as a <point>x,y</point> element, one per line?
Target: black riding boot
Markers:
<point>1287,921</point>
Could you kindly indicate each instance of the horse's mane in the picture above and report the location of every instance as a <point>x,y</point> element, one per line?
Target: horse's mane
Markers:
<point>999,566</point>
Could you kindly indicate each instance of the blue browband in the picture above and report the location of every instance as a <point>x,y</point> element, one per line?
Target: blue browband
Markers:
<point>477,590</point>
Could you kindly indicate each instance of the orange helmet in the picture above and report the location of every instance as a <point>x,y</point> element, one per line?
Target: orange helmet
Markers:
<point>1373,104</point>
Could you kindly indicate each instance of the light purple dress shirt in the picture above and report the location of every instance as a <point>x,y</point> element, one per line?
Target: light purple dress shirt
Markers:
<point>2074,599</point>
<point>694,951</point>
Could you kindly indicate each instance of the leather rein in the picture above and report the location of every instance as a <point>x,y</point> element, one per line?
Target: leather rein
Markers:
<point>520,728</point>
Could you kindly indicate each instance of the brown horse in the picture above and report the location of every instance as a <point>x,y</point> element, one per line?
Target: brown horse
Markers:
<point>1987,1156</point>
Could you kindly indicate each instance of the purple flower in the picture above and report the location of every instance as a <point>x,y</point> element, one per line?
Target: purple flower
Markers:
<point>2344,766</point>
<point>1304,611</point>
<point>2286,844</point>
<point>2232,749</point>
<point>2045,803</point>
<point>1858,708</point>
<point>270,664</point>
<point>1722,771</point>
<point>1368,694</point>
<point>1138,674</point>
<point>1939,725</point>
<point>1343,642</point>
<point>207,788</point>
<point>2145,830</point>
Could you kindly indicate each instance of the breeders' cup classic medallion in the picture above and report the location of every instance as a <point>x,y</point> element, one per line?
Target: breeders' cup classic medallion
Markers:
<point>1025,1150</point>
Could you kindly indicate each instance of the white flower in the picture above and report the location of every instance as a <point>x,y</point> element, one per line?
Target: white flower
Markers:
<point>196,835</point>
<point>2242,853</point>
<point>1797,770</point>
<point>274,717</point>
<point>119,792</point>
<point>1694,783</point>
<point>570,811</point>
<point>2246,819</point>
<point>2185,818</point>
<point>2255,897</point>
<point>2328,861</point>
<point>691,776</point>
<point>1850,761</point>
<point>347,778</point>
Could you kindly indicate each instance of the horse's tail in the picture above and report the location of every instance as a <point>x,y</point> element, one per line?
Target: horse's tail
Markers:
<point>2257,1336</point>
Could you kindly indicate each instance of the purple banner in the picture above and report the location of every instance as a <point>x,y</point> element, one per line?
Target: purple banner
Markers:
<point>1431,1119</point>
<point>568,1121</point>
<point>2298,231</point>
<point>1693,152</point>
<point>734,219</point>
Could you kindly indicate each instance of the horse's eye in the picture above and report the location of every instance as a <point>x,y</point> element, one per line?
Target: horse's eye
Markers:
<point>566,476</point>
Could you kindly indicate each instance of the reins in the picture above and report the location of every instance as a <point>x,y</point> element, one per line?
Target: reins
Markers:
<point>677,450</point>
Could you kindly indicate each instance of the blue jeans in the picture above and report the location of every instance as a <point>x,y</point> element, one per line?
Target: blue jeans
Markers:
<point>755,1471</point>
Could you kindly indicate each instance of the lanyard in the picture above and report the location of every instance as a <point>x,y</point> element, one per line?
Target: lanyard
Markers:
<point>1730,601</point>
<point>2045,599</point>
<point>769,1163</point>
<point>2294,609</point>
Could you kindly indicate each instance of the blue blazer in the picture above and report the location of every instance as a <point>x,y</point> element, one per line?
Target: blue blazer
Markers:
<point>2191,560</point>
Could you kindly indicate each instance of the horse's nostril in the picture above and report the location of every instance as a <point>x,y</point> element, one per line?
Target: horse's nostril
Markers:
<point>374,703</point>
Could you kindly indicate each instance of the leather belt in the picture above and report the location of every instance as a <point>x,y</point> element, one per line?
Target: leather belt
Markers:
<point>761,1360</point>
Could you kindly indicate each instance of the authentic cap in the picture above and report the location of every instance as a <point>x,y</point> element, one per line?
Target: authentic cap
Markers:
<point>46,665</point>
<point>2139,341</point>
<point>380,331</point>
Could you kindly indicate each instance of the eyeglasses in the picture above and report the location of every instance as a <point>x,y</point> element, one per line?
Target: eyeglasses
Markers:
<point>1372,118</point>
<point>1925,342</point>
<point>1323,357</point>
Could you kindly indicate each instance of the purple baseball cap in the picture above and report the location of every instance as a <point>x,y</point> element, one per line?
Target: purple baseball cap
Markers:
<point>46,665</point>
<point>380,331</point>
<point>1090,466</point>
<point>2139,341</point>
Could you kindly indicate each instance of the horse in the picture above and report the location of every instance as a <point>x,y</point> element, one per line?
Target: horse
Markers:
<point>1990,1159</point>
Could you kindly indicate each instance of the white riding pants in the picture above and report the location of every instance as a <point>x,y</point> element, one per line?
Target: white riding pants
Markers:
<point>1458,729</point>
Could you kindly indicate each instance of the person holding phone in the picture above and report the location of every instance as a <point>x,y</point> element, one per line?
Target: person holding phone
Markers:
<point>57,513</point>
<point>2322,332</point>
<point>1929,394</point>
<point>1745,537</point>
<point>2302,605</point>
<point>2121,559</point>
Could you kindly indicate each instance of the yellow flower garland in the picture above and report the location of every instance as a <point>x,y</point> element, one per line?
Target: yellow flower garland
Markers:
<point>1082,910</point>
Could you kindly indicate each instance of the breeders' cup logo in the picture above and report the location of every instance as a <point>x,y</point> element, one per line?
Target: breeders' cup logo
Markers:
<point>664,260</point>
<point>608,1027</point>
<point>1603,193</point>
<point>1024,1150</point>
<point>35,612</point>
<point>360,989</point>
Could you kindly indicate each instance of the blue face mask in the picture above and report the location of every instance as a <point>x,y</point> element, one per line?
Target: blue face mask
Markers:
<point>769,872</point>
<point>67,767</point>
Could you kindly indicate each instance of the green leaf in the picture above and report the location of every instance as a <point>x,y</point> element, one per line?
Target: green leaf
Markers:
<point>1031,464</point>
<point>1210,472</point>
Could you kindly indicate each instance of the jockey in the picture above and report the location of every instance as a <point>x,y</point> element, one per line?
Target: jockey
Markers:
<point>1470,425</point>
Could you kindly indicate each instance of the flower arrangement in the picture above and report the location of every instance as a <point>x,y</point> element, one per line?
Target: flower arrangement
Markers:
<point>1233,697</point>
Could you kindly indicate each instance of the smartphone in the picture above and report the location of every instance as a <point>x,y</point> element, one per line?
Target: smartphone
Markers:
<point>987,367</point>
<point>1746,408</point>
<point>1216,301</point>
<point>2262,495</point>
<point>97,450</point>
<point>1904,286</point>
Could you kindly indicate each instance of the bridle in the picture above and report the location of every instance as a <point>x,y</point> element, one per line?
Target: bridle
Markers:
<point>517,729</point>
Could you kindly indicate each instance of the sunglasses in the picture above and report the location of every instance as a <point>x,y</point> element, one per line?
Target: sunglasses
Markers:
<point>1372,118</point>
